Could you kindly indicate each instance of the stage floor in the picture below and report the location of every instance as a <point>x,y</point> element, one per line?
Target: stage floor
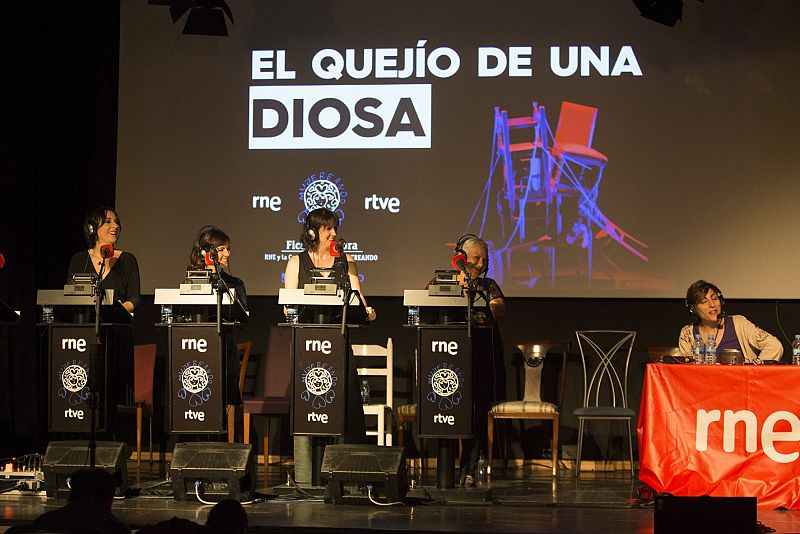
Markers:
<point>525,499</point>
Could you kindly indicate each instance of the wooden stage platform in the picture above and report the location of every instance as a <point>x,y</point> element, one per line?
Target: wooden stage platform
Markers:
<point>524,499</point>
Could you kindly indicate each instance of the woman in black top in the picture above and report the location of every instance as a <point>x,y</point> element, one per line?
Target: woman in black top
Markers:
<point>212,251</point>
<point>319,232</point>
<point>102,228</point>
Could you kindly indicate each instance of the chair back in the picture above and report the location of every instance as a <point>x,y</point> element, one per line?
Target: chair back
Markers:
<point>144,366</point>
<point>383,367</point>
<point>605,355</point>
<point>275,371</point>
<point>575,125</point>
<point>244,358</point>
<point>533,355</point>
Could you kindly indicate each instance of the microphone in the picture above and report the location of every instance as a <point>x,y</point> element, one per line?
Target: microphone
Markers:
<point>210,256</point>
<point>2,260</point>
<point>106,251</point>
<point>337,248</point>
<point>459,262</point>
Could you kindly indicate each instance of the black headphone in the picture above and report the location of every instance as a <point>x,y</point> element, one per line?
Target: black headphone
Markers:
<point>308,231</point>
<point>201,246</point>
<point>89,231</point>
<point>723,309</point>
<point>460,250</point>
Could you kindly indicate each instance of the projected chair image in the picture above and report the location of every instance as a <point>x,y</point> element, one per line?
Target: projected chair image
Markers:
<point>541,199</point>
<point>531,406</point>
<point>605,357</point>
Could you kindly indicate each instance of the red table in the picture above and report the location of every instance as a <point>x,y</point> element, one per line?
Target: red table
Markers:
<point>722,430</point>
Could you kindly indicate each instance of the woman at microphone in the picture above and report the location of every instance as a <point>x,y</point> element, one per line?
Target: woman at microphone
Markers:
<point>212,251</point>
<point>120,271</point>
<point>707,308</point>
<point>102,228</point>
<point>318,239</point>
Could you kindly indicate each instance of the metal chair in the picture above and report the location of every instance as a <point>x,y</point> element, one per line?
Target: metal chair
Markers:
<point>532,407</point>
<point>605,356</point>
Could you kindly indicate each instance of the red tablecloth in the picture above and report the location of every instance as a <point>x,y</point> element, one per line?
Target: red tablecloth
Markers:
<point>722,430</point>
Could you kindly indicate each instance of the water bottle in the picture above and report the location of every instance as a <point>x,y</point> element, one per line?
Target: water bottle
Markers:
<point>481,474</point>
<point>796,350</point>
<point>413,315</point>
<point>48,315</point>
<point>711,349</point>
<point>292,313</point>
<point>698,350</point>
<point>166,313</point>
<point>364,392</point>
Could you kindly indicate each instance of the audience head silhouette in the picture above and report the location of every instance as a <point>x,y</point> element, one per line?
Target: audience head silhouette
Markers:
<point>227,515</point>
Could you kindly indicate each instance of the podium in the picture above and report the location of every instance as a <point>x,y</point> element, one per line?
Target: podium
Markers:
<point>322,394</point>
<point>197,371</point>
<point>444,375</point>
<point>77,363</point>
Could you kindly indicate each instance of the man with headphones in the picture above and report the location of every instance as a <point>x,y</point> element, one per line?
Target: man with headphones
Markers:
<point>706,306</point>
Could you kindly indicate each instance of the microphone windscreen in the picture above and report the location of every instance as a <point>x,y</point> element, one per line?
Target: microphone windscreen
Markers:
<point>209,259</point>
<point>2,260</point>
<point>337,248</point>
<point>106,251</point>
<point>459,262</point>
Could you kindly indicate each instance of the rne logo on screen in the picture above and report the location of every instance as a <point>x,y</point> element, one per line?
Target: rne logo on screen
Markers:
<point>769,436</point>
<point>340,116</point>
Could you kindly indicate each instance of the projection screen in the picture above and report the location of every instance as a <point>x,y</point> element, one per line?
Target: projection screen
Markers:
<point>599,153</point>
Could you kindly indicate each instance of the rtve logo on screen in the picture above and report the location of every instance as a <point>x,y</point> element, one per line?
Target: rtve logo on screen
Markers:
<point>340,116</point>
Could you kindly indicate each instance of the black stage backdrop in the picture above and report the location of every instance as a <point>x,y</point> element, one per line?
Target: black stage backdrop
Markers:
<point>59,150</point>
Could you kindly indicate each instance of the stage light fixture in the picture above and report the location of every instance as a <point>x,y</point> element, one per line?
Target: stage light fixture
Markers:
<point>206,17</point>
<point>667,12</point>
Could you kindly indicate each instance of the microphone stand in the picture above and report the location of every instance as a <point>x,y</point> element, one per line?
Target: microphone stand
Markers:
<point>348,292</point>
<point>93,364</point>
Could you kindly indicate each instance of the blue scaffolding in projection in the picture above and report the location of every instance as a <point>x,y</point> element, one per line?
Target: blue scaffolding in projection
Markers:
<point>545,199</point>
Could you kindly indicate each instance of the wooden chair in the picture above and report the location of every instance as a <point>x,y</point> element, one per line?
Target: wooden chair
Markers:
<point>244,358</point>
<point>144,365</point>
<point>273,386</point>
<point>365,355</point>
<point>532,407</point>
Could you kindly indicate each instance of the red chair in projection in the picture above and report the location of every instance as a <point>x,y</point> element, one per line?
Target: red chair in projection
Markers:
<point>573,152</point>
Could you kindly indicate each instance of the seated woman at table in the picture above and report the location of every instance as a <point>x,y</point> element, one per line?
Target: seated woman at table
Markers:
<point>319,232</point>
<point>211,251</point>
<point>706,305</point>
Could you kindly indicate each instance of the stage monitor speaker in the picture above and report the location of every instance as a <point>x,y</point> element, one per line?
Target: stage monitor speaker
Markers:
<point>689,515</point>
<point>353,471</point>
<point>212,470</point>
<point>62,458</point>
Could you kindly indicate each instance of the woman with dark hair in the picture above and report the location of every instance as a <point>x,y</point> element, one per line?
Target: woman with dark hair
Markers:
<point>212,248</point>
<point>212,251</point>
<point>319,232</point>
<point>706,305</point>
<point>102,228</point>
